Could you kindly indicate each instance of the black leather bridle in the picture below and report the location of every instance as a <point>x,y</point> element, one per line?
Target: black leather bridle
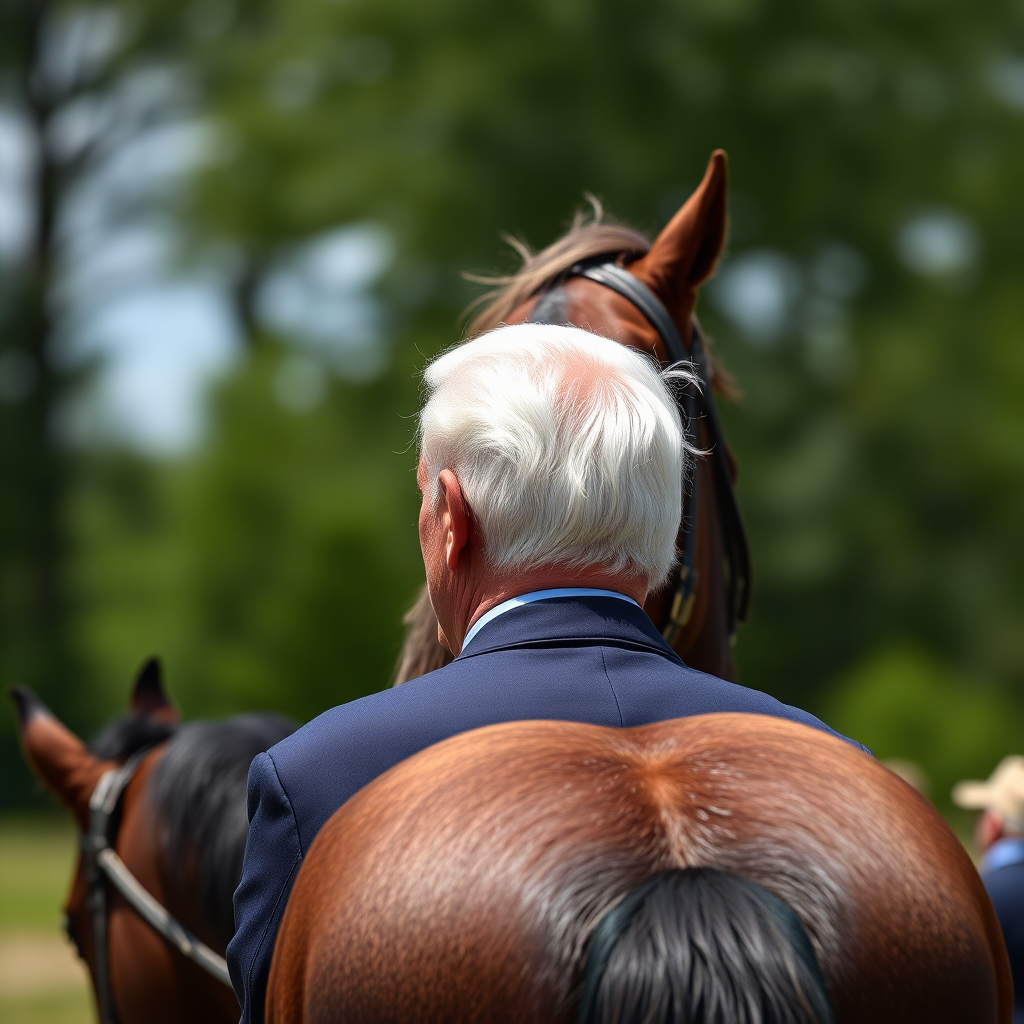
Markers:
<point>103,867</point>
<point>697,404</point>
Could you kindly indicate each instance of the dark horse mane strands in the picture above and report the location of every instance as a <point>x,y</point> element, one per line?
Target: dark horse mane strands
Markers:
<point>699,944</point>
<point>130,734</point>
<point>421,653</point>
<point>198,794</point>
<point>583,240</point>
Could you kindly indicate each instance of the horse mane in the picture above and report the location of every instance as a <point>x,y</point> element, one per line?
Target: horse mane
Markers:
<point>586,238</point>
<point>699,944</point>
<point>128,735</point>
<point>198,794</point>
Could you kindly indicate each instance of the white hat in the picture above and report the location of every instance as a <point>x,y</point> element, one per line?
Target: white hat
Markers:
<point>1002,793</point>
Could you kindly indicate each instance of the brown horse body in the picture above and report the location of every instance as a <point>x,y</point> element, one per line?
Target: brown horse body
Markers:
<point>465,883</point>
<point>674,267</point>
<point>150,982</point>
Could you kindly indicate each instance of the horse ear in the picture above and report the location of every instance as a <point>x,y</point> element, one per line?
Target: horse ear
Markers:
<point>59,759</point>
<point>686,252</point>
<point>148,695</point>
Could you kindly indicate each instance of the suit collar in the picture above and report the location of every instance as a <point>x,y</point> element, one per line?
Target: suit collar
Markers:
<point>571,620</point>
<point>539,595</point>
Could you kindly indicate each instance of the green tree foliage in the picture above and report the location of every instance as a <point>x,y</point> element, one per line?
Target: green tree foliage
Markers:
<point>273,569</point>
<point>302,548</point>
<point>919,709</point>
<point>80,81</point>
<point>876,154</point>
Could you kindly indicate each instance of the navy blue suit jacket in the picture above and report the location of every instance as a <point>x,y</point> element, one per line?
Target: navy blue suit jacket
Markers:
<point>598,660</point>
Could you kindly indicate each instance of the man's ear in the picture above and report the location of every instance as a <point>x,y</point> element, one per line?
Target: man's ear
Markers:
<point>991,828</point>
<point>455,518</point>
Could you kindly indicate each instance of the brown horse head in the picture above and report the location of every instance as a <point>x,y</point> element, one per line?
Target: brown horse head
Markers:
<point>481,879</point>
<point>674,267</point>
<point>168,833</point>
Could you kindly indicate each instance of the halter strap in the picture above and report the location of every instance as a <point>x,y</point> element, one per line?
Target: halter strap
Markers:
<point>696,402</point>
<point>612,276</point>
<point>102,864</point>
<point>102,805</point>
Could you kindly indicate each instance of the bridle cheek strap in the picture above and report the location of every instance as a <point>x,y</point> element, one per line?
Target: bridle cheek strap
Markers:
<point>697,403</point>
<point>620,280</point>
<point>102,865</point>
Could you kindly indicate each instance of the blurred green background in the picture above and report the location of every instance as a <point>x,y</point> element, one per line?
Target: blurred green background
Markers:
<point>320,171</point>
<point>41,979</point>
<point>232,232</point>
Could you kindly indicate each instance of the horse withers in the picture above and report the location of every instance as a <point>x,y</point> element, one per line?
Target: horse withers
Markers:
<point>177,828</point>
<point>722,869</point>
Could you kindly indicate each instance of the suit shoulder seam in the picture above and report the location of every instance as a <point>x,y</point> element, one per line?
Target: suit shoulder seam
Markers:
<point>291,806</point>
<point>611,687</point>
<point>270,917</point>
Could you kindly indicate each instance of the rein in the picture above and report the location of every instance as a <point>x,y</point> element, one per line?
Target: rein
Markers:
<point>696,403</point>
<point>103,866</point>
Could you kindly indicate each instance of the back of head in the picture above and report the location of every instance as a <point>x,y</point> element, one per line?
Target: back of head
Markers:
<point>568,447</point>
<point>701,946</point>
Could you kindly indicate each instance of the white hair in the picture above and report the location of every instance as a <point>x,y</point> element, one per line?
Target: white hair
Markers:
<point>568,447</point>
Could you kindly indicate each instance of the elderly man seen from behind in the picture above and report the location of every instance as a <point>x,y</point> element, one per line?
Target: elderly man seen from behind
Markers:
<point>551,473</point>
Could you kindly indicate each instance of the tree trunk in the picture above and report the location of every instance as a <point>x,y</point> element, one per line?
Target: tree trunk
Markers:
<point>35,604</point>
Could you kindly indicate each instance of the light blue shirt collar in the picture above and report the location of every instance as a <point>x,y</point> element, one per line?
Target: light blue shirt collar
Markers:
<point>538,595</point>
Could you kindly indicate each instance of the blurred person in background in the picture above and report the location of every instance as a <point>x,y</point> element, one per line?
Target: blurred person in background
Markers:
<point>551,470</point>
<point>999,835</point>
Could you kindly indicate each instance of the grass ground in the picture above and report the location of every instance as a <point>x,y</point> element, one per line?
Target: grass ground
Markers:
<point>41,979</point>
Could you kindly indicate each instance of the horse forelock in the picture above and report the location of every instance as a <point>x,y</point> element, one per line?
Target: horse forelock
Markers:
<point>584,240</point>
